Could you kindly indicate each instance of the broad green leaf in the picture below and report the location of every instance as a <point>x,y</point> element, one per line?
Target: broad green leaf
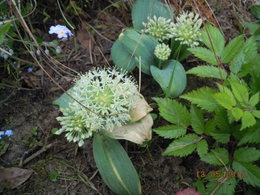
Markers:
<point>223,132</point>
<point>234,77</point>
<point>172,78</point>
<point>170,131</point>
<point>115,167</point>
<point>250,154</point>
<point>237,63</point>
<point>225,100</point>
<point>248,120</point>
<point>204,98</point>
<point>240,91</point>
<point>220,136</point>
<point>252,135</point>
<point>216,187</point>
<point>208,72</point>
<point>202,148</point>
<point>3,30</point>
<point>142,9</point>
<point>204,54</point>
<point>256,113</point>
<point>210,126</point>
<point>218,156</point>
<point>222,120</point>
<point>255,10</point>
<point>255,82</point>
<point>183,146</point>
<point>122,58</point>
<point>64,100</point>
<point>197,121</point>
<point>251,58</point>
<point>252,172</point>
<point>231,119</point>
<point>232,49</point>
<point>211,34</point>
<point>173,112</point>
<point>254,100</point>
<point>227,91</point>
<point>237,113</point>
<point>199,185</point>
<point>140,46</point>
<point>252,27</point>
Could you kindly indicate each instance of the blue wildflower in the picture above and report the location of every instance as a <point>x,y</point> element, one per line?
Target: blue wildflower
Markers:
<point>1,133</point>
<point>61,31</point>
<point>9,132</point>
<point>30,69</point>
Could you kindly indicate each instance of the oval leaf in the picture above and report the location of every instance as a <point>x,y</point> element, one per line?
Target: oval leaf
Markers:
<point>171,78</point>
<point>139,47</point>
<point>142,9</point>
<point>115,167</point>
<point>122,58</point>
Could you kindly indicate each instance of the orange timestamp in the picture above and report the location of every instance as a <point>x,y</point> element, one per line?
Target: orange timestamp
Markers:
<point>227,174</point>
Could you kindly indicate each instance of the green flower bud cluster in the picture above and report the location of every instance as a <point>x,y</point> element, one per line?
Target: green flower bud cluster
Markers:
<point>159,28</point>
<point>187,29</point>
<point>109,94</point>
<point>162,51</point>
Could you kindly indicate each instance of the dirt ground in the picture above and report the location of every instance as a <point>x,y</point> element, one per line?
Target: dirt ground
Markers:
<point>63,168</point>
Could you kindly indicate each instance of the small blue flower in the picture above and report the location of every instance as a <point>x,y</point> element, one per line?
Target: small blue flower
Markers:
<point>1,133</point>
<point>61,31</point>
<point>30,69</point>
<point>9,132</point>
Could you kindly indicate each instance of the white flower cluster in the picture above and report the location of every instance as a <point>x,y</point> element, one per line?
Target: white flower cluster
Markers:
<point>187,29</point>
<point>159,28</point>
<point>162,51</point>
<point>109,94</point>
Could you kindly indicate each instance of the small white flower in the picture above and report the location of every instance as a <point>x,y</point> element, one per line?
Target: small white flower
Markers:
<point>38,52</point>
<point>58,49</point>
<point>11,51</point>
<point>160,28</point>
<point>162,51</point>
<point>61,31</point>
<point>47,52</point>
<point>4,55</point>
<point>187,29</point>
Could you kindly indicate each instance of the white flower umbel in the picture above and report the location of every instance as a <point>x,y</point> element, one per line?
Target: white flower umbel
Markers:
<point>160,28</point>
<point>187,29</point>
<point>162,51</point>
<point>109,94</point>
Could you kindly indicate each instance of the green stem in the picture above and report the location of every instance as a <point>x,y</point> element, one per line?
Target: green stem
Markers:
<point>172,41</point>
<point>160,64</point>
<point>170,83</point>
<point>178,51</point>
